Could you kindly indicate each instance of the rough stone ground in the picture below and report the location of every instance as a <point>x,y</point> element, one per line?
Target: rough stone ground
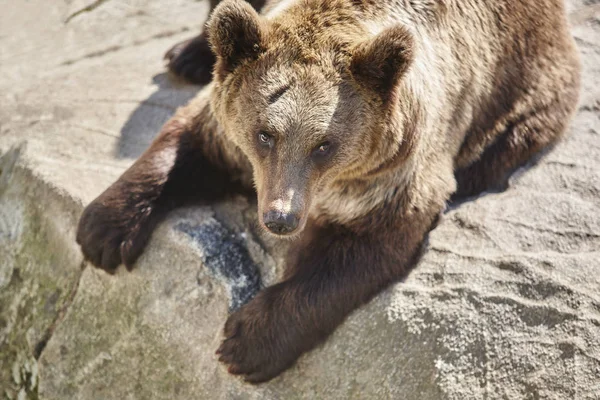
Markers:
<point>505,303</point>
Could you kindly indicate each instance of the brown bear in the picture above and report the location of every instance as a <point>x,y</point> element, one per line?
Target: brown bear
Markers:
<point>354,121</point>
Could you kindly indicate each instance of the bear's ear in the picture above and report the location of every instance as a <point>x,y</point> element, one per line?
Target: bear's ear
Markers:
<point>235,33</point>
<point>378,63</point>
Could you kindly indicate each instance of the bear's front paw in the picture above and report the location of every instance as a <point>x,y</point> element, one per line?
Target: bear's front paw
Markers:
<point>110,235</point>
<point>259,342</point>
<point>192,60</point>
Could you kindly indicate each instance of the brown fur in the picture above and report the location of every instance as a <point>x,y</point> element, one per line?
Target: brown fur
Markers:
<point>416,100</point>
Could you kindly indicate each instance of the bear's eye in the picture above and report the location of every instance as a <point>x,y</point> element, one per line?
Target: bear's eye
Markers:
<point>323,148</point>
<point>264,138</point>
<point>322,151</point>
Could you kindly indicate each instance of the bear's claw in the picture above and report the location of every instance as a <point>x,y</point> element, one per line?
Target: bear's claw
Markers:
<point>249,350</point>
<point>107,237</point>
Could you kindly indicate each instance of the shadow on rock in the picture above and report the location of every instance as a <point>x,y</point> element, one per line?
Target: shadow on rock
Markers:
<point>148,118</point>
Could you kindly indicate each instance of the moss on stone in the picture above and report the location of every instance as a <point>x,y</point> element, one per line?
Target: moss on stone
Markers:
<point>42,276</point>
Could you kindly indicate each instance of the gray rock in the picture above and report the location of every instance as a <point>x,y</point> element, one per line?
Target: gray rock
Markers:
<point>39,271</point>
<point>225,255</point>
<point>504,304</point>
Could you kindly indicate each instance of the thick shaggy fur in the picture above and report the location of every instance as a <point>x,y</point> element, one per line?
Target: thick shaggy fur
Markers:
<point>361,119</point>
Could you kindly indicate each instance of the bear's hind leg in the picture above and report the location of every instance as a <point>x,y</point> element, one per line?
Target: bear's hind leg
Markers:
<point>525,137</point>
<point>193,59</point>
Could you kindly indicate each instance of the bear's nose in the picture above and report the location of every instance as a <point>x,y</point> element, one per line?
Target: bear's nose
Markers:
<point>280,223</point>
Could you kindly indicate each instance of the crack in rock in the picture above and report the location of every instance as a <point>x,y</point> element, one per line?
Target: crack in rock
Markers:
<point>60,315</point>
<point>115,48</point>
<point>86,9</point>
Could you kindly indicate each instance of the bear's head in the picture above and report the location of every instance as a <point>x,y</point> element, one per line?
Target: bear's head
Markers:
<point>307,98</point>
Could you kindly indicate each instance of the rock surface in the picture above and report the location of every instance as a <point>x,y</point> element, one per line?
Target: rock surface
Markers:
<point>504,304</point>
